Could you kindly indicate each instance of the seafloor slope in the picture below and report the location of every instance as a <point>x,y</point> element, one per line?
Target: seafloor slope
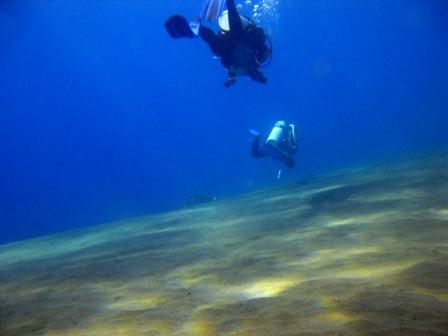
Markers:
<point>358,252</point>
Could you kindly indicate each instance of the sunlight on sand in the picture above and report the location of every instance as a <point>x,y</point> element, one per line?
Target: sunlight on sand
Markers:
<point>377,271</point>
<point>441,295</point>
<point>268,287</point>
<point>442,214</point>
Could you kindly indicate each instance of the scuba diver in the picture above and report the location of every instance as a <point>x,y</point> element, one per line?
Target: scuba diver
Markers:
<point>280,145</point>
<point>241,45</point>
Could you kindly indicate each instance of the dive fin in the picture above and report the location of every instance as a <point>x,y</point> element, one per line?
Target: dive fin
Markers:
<point>253,132</point>
<point>178,27</point>
<point>212,9</point>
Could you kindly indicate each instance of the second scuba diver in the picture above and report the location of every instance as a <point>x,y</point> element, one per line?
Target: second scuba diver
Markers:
<point>240,44</point>
<point>280,145</point>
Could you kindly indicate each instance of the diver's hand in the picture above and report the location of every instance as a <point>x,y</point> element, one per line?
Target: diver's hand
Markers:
<point>195,25</point>
<point>230,81</point>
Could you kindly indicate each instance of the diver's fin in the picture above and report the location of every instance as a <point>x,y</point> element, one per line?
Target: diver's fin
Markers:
<point>178,27</point>
<point>212,9</point>
<point>253,132</point>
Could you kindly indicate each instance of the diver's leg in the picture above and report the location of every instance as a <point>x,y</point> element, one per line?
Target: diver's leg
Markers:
<point>258,76</point>
<point>235,24</point>
<point>255,151</point>
<point>213,41</point>
<point>285,158</point>
<point>290,162</point>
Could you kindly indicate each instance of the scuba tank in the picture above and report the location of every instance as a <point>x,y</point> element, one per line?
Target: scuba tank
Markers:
<point>277,134</point>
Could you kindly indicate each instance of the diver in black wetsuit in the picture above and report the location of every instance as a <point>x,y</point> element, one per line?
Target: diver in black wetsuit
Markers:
<point>242,49</point>
<point>281,144</point>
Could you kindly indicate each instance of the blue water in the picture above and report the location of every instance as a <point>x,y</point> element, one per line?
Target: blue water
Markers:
<point>103,116</point>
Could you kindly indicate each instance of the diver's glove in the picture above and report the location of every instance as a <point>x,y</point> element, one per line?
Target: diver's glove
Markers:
<point>230,80</point>
<point>195,25</point>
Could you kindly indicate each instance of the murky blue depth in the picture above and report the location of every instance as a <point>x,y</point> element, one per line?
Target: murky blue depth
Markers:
<point>103,116</point>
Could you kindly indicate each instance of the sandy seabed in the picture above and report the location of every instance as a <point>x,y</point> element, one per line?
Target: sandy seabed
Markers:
<point>362,251</point>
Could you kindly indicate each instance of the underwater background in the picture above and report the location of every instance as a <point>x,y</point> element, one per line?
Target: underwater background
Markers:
<point>104,117</point>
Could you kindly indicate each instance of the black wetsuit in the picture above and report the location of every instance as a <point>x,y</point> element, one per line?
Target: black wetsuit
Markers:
<point>241,49</point>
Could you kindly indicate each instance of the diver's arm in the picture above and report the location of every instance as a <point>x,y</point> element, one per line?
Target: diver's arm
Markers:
<point>292,138</point>
<point>235,24</point>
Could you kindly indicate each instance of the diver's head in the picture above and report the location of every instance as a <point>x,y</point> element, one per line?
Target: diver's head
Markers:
<point>223,21</point>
